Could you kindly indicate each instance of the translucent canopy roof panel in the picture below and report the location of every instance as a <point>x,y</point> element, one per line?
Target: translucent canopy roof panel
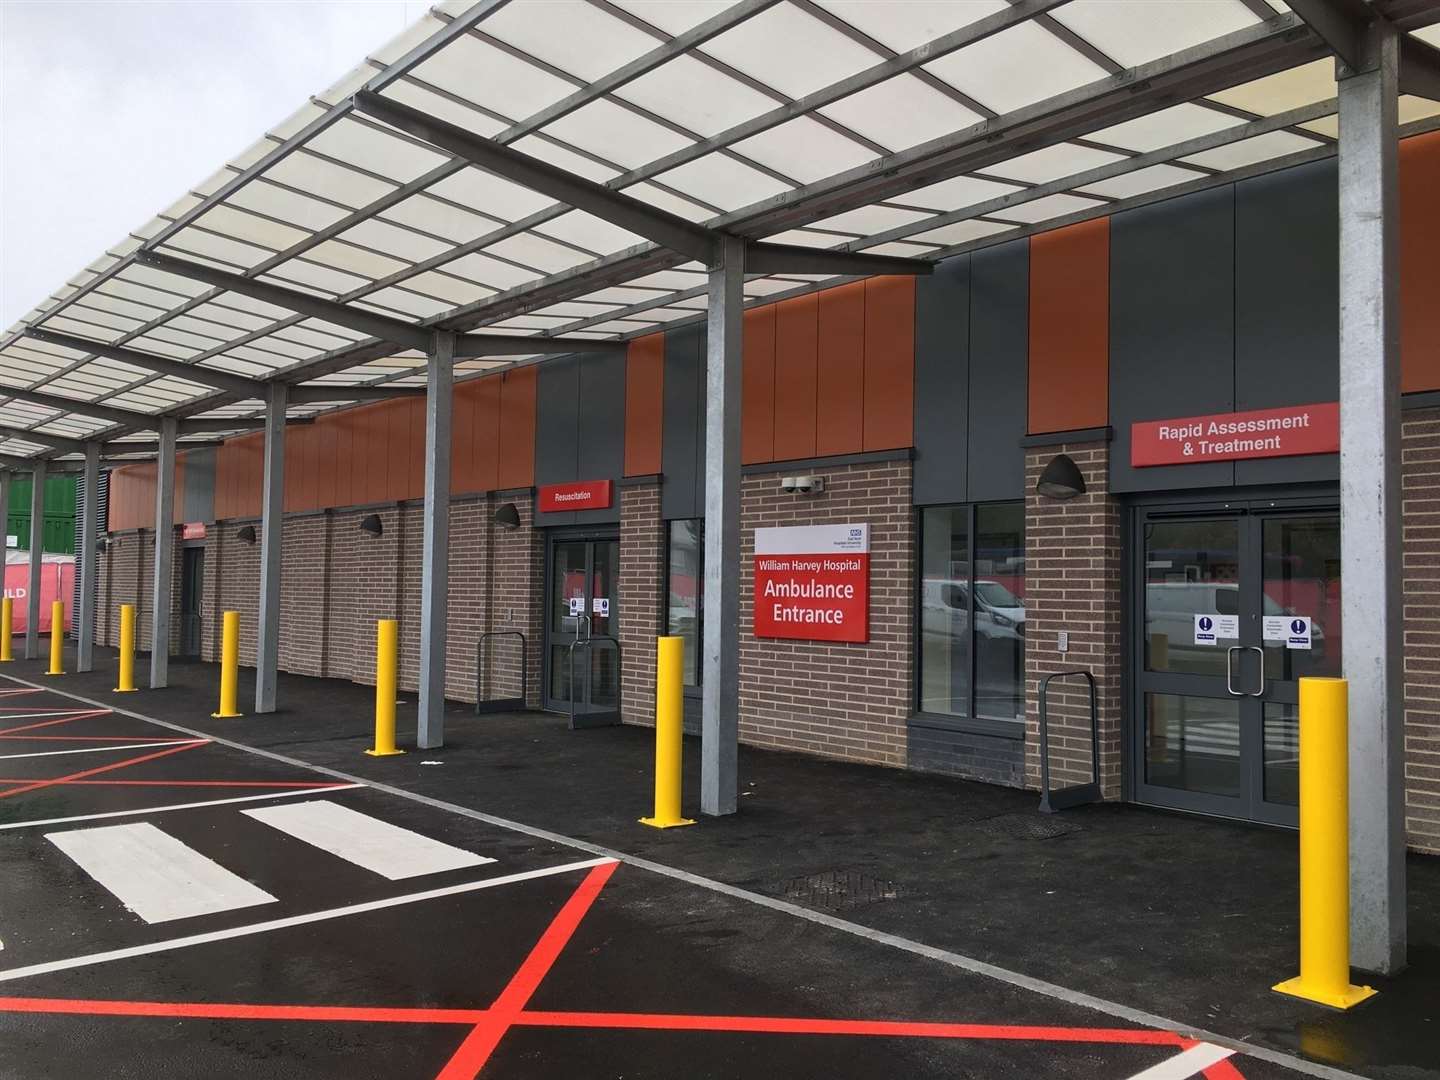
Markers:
<point>914,130</point>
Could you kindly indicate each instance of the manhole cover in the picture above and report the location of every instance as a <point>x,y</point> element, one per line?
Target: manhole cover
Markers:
<point>840,890</point>
<point>1026,826</point>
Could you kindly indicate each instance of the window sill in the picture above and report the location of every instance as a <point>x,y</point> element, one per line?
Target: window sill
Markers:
<point>969,725</point>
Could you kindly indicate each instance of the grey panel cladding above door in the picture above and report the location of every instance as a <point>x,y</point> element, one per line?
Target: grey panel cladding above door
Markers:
<point>682,438</point>
<point>198,502</point>
<point>602,429</point>
<point>1287,305</point>
<point>999,362</point>
<point>942,377</point>
<point>1172,327</point>
<point>557,428</point>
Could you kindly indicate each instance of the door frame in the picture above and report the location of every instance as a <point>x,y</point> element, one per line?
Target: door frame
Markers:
<point>186,592</point>
<point>1294,498</point>
<point>585,716</point>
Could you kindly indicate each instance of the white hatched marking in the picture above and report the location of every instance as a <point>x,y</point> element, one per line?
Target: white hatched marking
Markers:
<point>98,749</point>
<point>154,875</point>
<point>1186,1063</point>
<point>175,806</point>
<point>368,842</point>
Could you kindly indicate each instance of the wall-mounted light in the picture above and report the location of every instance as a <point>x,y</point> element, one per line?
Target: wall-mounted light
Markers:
<point>370,523</point>
<point>508,517</point>
<point>246,534</point>
<point>1060,479</point>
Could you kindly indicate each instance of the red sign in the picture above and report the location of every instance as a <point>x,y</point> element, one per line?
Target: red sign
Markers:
<point>1261,433</point>
<point>584,495</point>
<point>192,530</point>
<point>812,583</point>
<point>57,582</point>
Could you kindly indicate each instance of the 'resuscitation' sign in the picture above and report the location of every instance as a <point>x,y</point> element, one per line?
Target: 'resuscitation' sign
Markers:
<point>1261,433</point>
<point>812,583</point>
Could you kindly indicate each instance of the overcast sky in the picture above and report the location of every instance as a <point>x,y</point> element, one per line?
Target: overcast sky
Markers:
<point>111,110</point>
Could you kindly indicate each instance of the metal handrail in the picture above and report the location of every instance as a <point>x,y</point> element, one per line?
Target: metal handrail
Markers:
<point>588,643</point>
<point>1077,794</point>
<point>482,681</point>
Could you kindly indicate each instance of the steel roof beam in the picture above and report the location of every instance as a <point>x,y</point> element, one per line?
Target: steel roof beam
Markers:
<point>61,404</point>
<point>160,365</point>
<point>208,425</point>
<point>304,395</point>
<point>765,258</point>
<point>40,438</point>
<point>1340,24</point>
<point>1419,68</point>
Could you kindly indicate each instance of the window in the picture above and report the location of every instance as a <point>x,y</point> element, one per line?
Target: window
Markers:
<point>972,611</point>
<point>685,579</point>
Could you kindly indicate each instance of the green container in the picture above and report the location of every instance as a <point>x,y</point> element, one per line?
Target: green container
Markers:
<point>59,534</point>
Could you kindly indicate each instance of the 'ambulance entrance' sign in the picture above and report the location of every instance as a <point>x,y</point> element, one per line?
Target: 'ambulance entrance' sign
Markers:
<point>1260,433</point>
<point>812,583</point>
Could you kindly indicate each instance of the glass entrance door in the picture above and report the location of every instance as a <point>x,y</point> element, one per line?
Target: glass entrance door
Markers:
<point>582,576</point>
<point>1233,606</point>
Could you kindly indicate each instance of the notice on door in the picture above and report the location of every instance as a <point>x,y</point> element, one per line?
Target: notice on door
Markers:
<point>812,583</point>
<point>1210,629</point>
<point>1260,433</point>
<point>1293,630</point>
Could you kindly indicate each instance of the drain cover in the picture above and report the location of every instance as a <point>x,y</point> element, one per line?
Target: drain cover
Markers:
<point>1026,826</point>
<point>840,890</point>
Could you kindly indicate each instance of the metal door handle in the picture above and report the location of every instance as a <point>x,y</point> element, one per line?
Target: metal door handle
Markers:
<point>1260,692</point>
<point>1230,670</point>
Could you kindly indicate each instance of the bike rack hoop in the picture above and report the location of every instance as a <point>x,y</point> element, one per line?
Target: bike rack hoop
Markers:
<point>1077,794</point>
<point>482,682</point>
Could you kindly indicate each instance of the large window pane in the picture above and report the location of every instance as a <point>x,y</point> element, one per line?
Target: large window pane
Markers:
<point>686,579</point>
<point>1191,568</point>
<point>1000,611</point>
<point>1302,577</point>
<point>1193,743</point>
<point>945,611</point>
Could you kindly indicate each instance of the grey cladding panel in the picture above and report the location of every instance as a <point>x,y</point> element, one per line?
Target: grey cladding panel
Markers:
<point>1287,305</point>
<point>999,358</point>
<point>1172,327</point>
<point>199,495</point>
<point>682,445</point>
<point>602,428</point>
<point>557,428</point>
<point>942,375</point>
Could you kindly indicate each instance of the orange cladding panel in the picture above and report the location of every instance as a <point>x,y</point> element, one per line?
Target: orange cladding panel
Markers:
<point>644,404</point>
<point>487,433</point>
<point>1419,264</point>
<point>517,428</point>
<point>840,375</point>
<point>1069,376</point>
<point>177,509</point>
<point>462,439</point>
<point>796,357</point>
<point>326,439</point>
<point>889,363</point>
<point>757,387</point>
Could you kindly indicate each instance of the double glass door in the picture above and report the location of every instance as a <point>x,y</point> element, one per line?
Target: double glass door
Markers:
<point>1235,604</point>
<point>583,604</point>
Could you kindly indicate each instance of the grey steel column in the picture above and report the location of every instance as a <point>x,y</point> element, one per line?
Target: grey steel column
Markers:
<point>272,512</point>
<point>720,716</point>
<point>435,545</point>
<point>37,546</point>
<point>1370,501</point>
<point>89,526</point>
<point>163,588</point>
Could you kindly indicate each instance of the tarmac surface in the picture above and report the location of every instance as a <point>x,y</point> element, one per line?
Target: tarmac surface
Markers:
<point>842,924</point>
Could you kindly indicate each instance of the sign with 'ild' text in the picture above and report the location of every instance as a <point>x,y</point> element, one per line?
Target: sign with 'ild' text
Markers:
<point>812,583</point>
<point>1261,433</point>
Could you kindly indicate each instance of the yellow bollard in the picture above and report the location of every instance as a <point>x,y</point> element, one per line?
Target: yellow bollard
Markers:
<point>7,620</point>
<point>385,661</point>
<point>229,667</point>
<point>1324,849</point>
<point>57,638</point>
<point>127,649</point>
<point>669,732</point>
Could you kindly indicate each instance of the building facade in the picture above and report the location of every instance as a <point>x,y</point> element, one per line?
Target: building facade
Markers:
<point>1196,578</point>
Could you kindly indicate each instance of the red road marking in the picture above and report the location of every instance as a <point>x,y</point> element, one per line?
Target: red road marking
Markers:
<point>85,738</point>
<point>311,784</point>
<point>1223,1070</point>
<point>472,1054</point>
<point>62,720</point>
<point>38,784</point>
<point>800,1025</point>
<point>230,1011</point>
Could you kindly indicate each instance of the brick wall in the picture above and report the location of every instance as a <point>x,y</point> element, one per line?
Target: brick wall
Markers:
<point>1072,583</point>
<point>516,578</point>
<point>838,700</point>
<point>1420,485</point>
<point>642,598</point>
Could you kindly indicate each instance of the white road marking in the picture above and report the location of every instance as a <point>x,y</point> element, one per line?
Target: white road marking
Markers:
<point>368,842</point>
<point>97,749</point>
<point>154,875</point>
<point>176,806</point>
<point>50,714</point>
<point>294,920</point>
<point>957,960</point>
<point>1186,1064</point>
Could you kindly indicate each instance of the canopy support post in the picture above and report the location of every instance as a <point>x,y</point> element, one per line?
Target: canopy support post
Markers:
<point>89,530</point>
<point>272,512</point>
<point>37,546</point>
<point>435,544</point>
<point>163,587</point>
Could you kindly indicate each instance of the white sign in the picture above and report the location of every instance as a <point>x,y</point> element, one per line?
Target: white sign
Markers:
<point>600,606</point>
<point>1205,631</point>
<point>1227,626</point>
<point>812,539</point>
<point>1275,627</point>
<point>577,605</point>
<point>1299,633</point>
<point>12,541</point>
